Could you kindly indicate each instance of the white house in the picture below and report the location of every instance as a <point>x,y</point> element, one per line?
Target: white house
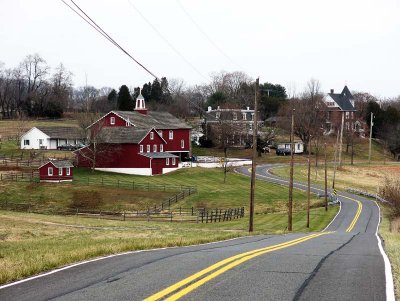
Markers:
<point>298,146</point>
<point>50,137</point>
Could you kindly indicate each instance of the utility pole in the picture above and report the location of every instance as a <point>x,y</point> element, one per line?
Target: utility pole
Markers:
<point>341,140</point>
<point>253,163</point>
<point>326,181</point>
<point>308,182</point>
<point>370,137</point>
<point>290,202</point>
<point>335,162</point>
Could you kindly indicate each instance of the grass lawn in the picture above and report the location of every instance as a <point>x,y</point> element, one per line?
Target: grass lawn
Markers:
<point>32,243</point>
<point>390,232</point>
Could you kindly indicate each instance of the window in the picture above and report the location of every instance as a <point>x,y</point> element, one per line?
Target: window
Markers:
<point>244,116</point>
<point>60,171</point>
<point>182,143</point>
<point>26,142</point>
<point>298,146</point>
<point>151,135</point>
<point>40,141</point>
<point>173,161</point>
<point>68,171</point>
<point>347,115</point>
<point>155,148</point>
<point>252,116</point>
<point>218,115</point>
<point>112,120</point>
<point>148,148</point>
<point>50,171</point>
<point>166,161</point>
<point>160,133</point>
<point>161,148</point>
<point>171,135</point>
<point>234,116</point>
<point>141,148</point>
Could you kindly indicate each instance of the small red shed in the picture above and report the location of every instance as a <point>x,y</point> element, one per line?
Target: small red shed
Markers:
<point>56,171</point>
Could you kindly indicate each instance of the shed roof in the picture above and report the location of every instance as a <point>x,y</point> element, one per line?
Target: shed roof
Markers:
<point>59,163</point>
<point>61,132</point>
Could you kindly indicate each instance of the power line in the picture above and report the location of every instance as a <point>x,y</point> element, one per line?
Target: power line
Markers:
<point>166,40</point>
<point>94,25</point>
<point>207,36</point>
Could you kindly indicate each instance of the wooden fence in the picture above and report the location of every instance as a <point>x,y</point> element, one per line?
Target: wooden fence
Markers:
<point>179,214</point>
<point>33,161</point>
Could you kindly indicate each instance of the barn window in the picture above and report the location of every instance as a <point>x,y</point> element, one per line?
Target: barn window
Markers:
<point>141,148</point>
<point>50,171</point>
<point>60,171</point>
<point>148,148</point>
<point>161,148</point>
<point>173,161</point>
<point>160,133</point>
<point>155,148</point>
<point>40,141</point>
<point>112,120</point>
<point>68,171</point>
<point>151,135</point>
<point>171,135</point>
<point>26,142</point>
<point>166,161</point>
<point>182,143</point>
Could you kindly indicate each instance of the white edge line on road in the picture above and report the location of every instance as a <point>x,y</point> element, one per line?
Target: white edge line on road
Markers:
<point>110,256</point>
<point>340,208</point>
<point>388,268</point>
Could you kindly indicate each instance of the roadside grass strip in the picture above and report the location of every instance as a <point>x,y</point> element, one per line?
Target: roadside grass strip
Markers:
<point>221,267</point>
<point>359,209</point>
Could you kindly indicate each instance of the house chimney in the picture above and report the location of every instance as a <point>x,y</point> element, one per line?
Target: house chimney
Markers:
<point>332,91</point>
<point>248,108</point>
<point>140,104</point>
<point>218,108</point>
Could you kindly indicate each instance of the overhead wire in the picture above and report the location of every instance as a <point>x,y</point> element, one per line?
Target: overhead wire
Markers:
<point>105,35</point>
<point>166,40</point>
<point>207,36</point>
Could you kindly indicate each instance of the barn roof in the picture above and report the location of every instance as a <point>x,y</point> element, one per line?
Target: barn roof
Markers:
<point>61,132</point>
<point>124,134</point>
<point>153,119</point>
<point>159,155</point>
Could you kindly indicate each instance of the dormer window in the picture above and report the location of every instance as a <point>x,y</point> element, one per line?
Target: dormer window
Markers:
<point>112,120</point>
<point>151,135</point>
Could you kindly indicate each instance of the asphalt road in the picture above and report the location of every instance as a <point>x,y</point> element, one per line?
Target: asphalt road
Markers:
<point>343,262</point>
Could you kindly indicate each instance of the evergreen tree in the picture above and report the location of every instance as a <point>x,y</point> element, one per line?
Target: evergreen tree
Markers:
<point>112,96</point>
<point>156,92</point>
<point>124,101</point>
<point>146,92</point>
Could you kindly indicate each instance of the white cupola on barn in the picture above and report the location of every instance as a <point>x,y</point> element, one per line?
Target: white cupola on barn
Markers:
<point>140,104</point>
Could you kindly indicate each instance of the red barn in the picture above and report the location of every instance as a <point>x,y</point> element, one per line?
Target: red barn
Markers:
<point>56,171</point>
<point>136,142</point>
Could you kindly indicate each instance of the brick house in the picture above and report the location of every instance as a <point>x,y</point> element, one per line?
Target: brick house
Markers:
<point>338,104</point>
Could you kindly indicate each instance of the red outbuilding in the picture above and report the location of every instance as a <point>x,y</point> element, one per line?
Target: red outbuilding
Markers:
<point>136,142</point>
<point>56,171</point>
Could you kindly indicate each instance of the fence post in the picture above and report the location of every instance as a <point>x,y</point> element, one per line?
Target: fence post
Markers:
<point>180,210</point>
<point>124,215</point>
<point>192,210</point>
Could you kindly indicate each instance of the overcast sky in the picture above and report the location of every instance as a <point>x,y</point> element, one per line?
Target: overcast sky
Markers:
<point>353,42</point>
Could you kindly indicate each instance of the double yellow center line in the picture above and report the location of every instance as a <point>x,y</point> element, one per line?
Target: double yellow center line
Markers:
<point>359,209</point>
<point>192,282</point>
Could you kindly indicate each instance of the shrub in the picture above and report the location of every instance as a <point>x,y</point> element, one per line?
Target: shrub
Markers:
<point>87,199</point>
<point>391,193</point>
